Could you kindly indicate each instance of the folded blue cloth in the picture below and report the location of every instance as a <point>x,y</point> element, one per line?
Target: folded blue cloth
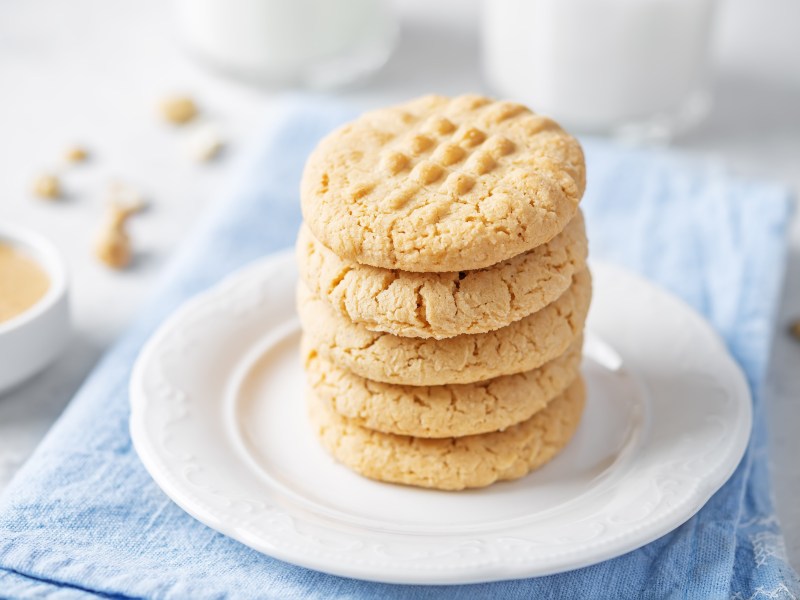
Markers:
<point>84,519</point>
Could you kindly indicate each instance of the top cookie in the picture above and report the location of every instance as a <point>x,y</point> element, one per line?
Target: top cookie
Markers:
<point>442,184</point>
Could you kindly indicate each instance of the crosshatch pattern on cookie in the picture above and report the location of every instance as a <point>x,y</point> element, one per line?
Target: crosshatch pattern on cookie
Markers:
<point>442,184</point>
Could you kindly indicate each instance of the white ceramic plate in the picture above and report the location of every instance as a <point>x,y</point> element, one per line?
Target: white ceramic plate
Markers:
<point>218,419</point>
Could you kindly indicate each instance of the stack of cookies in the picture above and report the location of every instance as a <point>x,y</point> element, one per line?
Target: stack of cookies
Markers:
<point>444,291</point>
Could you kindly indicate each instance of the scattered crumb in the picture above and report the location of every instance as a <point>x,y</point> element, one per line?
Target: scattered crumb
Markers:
<point>178,109</point>
<point>47,186</point>
<point>76,154</point>
<point>205,143</point>
<point>794,329</point>
<point>113,246</point>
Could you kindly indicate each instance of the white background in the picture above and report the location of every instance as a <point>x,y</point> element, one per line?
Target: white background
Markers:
<point>92,71</point>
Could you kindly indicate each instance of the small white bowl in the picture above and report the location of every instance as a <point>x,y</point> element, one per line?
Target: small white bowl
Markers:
<point>35,337</point>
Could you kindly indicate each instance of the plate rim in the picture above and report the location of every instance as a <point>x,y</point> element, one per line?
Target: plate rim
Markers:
<point>686,508</point>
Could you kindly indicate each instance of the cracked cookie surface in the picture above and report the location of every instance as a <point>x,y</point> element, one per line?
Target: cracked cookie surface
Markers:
<point>442,184</point>
<point>441,410</point>
<point>451,463</point>
<point>521,346</point>
<point>441,305</point>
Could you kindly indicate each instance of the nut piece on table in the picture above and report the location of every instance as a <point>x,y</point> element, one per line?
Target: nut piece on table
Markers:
<point>76,154</point>
<point>178,109</point>
<point>204,143</point>
<point>113,246</point>
<point>794,329</point>
<point>47,186</point>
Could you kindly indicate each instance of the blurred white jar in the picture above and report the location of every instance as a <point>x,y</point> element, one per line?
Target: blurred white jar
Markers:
<point>630,67</point>
<point>316,43</point>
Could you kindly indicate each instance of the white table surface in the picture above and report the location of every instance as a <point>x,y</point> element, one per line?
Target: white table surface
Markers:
<point>92,71</point>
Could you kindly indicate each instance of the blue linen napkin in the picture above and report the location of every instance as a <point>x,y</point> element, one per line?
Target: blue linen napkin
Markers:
<point>83,519</point>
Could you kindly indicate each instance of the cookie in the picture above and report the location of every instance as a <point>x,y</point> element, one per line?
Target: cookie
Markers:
<point>451,463</point>
<point>521,346</point>
<point>442,184</point>
<point>441,410</point>
<point>441,305</point>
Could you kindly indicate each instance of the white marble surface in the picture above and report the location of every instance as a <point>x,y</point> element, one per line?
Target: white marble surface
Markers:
<point>91,71</point>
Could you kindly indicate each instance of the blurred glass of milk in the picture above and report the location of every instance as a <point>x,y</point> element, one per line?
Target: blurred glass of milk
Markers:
<point>634,68</point>
<point>313,43</point>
